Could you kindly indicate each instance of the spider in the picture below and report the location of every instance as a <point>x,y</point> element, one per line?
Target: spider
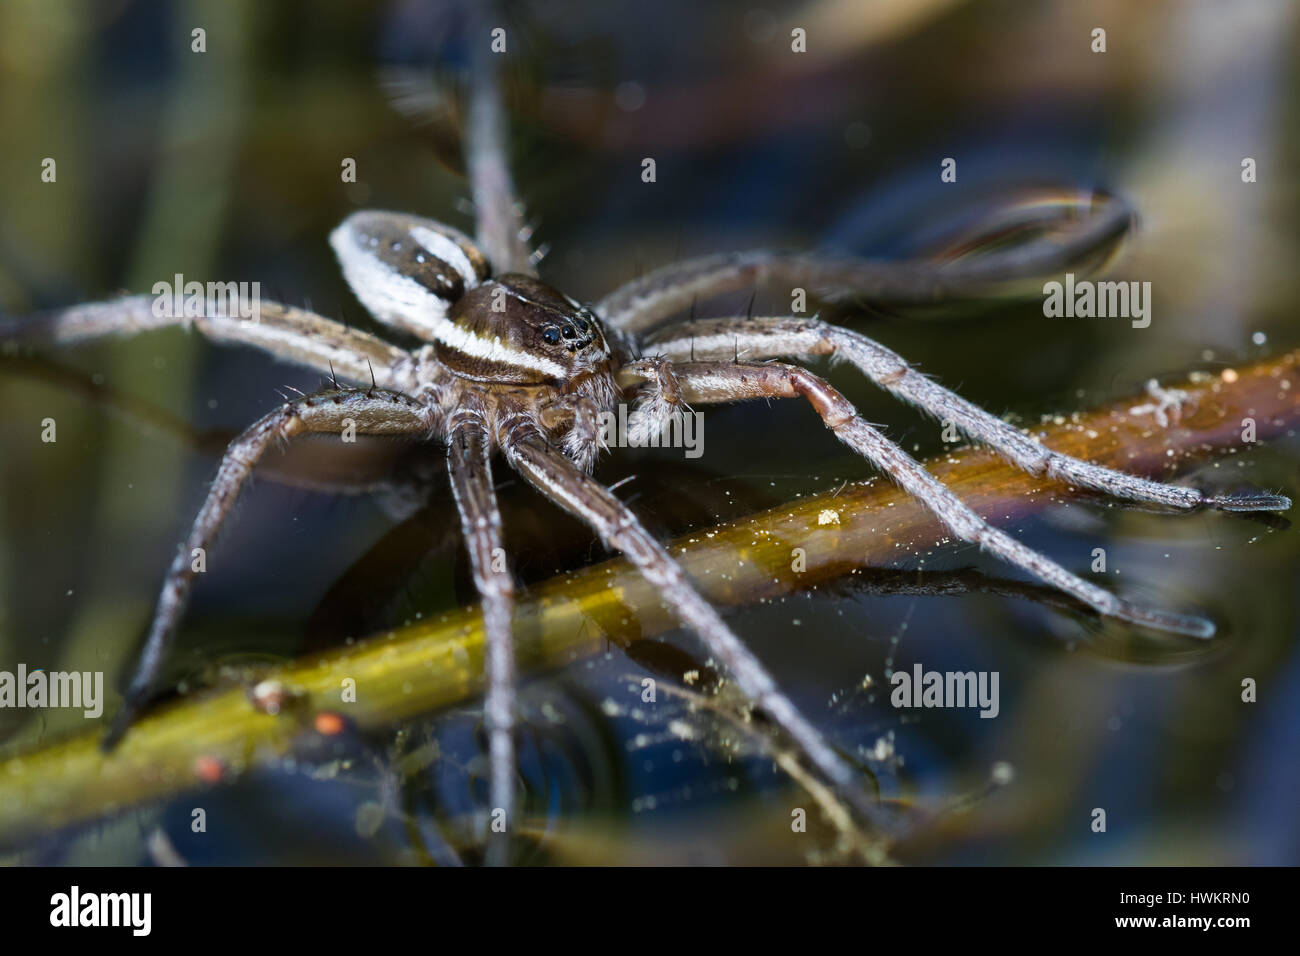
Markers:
<point>509,367</point>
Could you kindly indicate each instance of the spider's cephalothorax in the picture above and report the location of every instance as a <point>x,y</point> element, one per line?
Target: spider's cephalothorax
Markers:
<point>510,365</point>
<point>532,358</point>
<point>516,330</point>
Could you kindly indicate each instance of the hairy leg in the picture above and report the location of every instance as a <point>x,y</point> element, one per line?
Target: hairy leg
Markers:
<point>644,303</point>
<point>498,213</point>
<point>469,465</point>
<point>373,411</point>
<point>562,482</point>
<point>721,339</point>
<point>403,486</point>
<point>291,334</point>
<point>709,382</point>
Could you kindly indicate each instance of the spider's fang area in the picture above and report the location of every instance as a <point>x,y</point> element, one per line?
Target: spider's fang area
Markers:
<point>1250,501</point>
<point>1189,624</point>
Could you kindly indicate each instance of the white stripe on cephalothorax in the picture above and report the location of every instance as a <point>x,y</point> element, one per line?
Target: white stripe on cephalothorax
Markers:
<point>449,251</point>
<point>463,340</point>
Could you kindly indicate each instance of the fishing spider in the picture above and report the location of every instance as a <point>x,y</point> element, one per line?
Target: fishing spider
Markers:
<point>510,365</point>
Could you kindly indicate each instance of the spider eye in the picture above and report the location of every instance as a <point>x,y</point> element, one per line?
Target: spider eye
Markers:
<point>551,335</point>
<point>582,325</point>
<point>569,332</point>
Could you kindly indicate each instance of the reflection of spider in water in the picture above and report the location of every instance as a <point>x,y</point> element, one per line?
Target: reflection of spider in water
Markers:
<point>511,365</point>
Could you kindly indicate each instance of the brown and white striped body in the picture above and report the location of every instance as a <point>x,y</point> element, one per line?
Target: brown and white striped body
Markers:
<point>510,350</point>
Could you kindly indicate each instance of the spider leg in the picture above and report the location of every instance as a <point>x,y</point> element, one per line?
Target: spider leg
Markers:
<point>498,213</point>
<point>561,481</point>
<point>374,411</point>
<point>711,382</point>
<point>794,337</point>
<point>469,466</point>
<point>643,303</point>
<point>402,489</point>
<point>291,334</point>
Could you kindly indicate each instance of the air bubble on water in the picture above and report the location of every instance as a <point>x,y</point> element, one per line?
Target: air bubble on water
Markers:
<point>682,730</point>
<point>629,96</point>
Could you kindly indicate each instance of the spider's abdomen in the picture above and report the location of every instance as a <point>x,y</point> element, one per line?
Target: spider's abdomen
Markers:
<point>407,270</point>
<point>515,330</point>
